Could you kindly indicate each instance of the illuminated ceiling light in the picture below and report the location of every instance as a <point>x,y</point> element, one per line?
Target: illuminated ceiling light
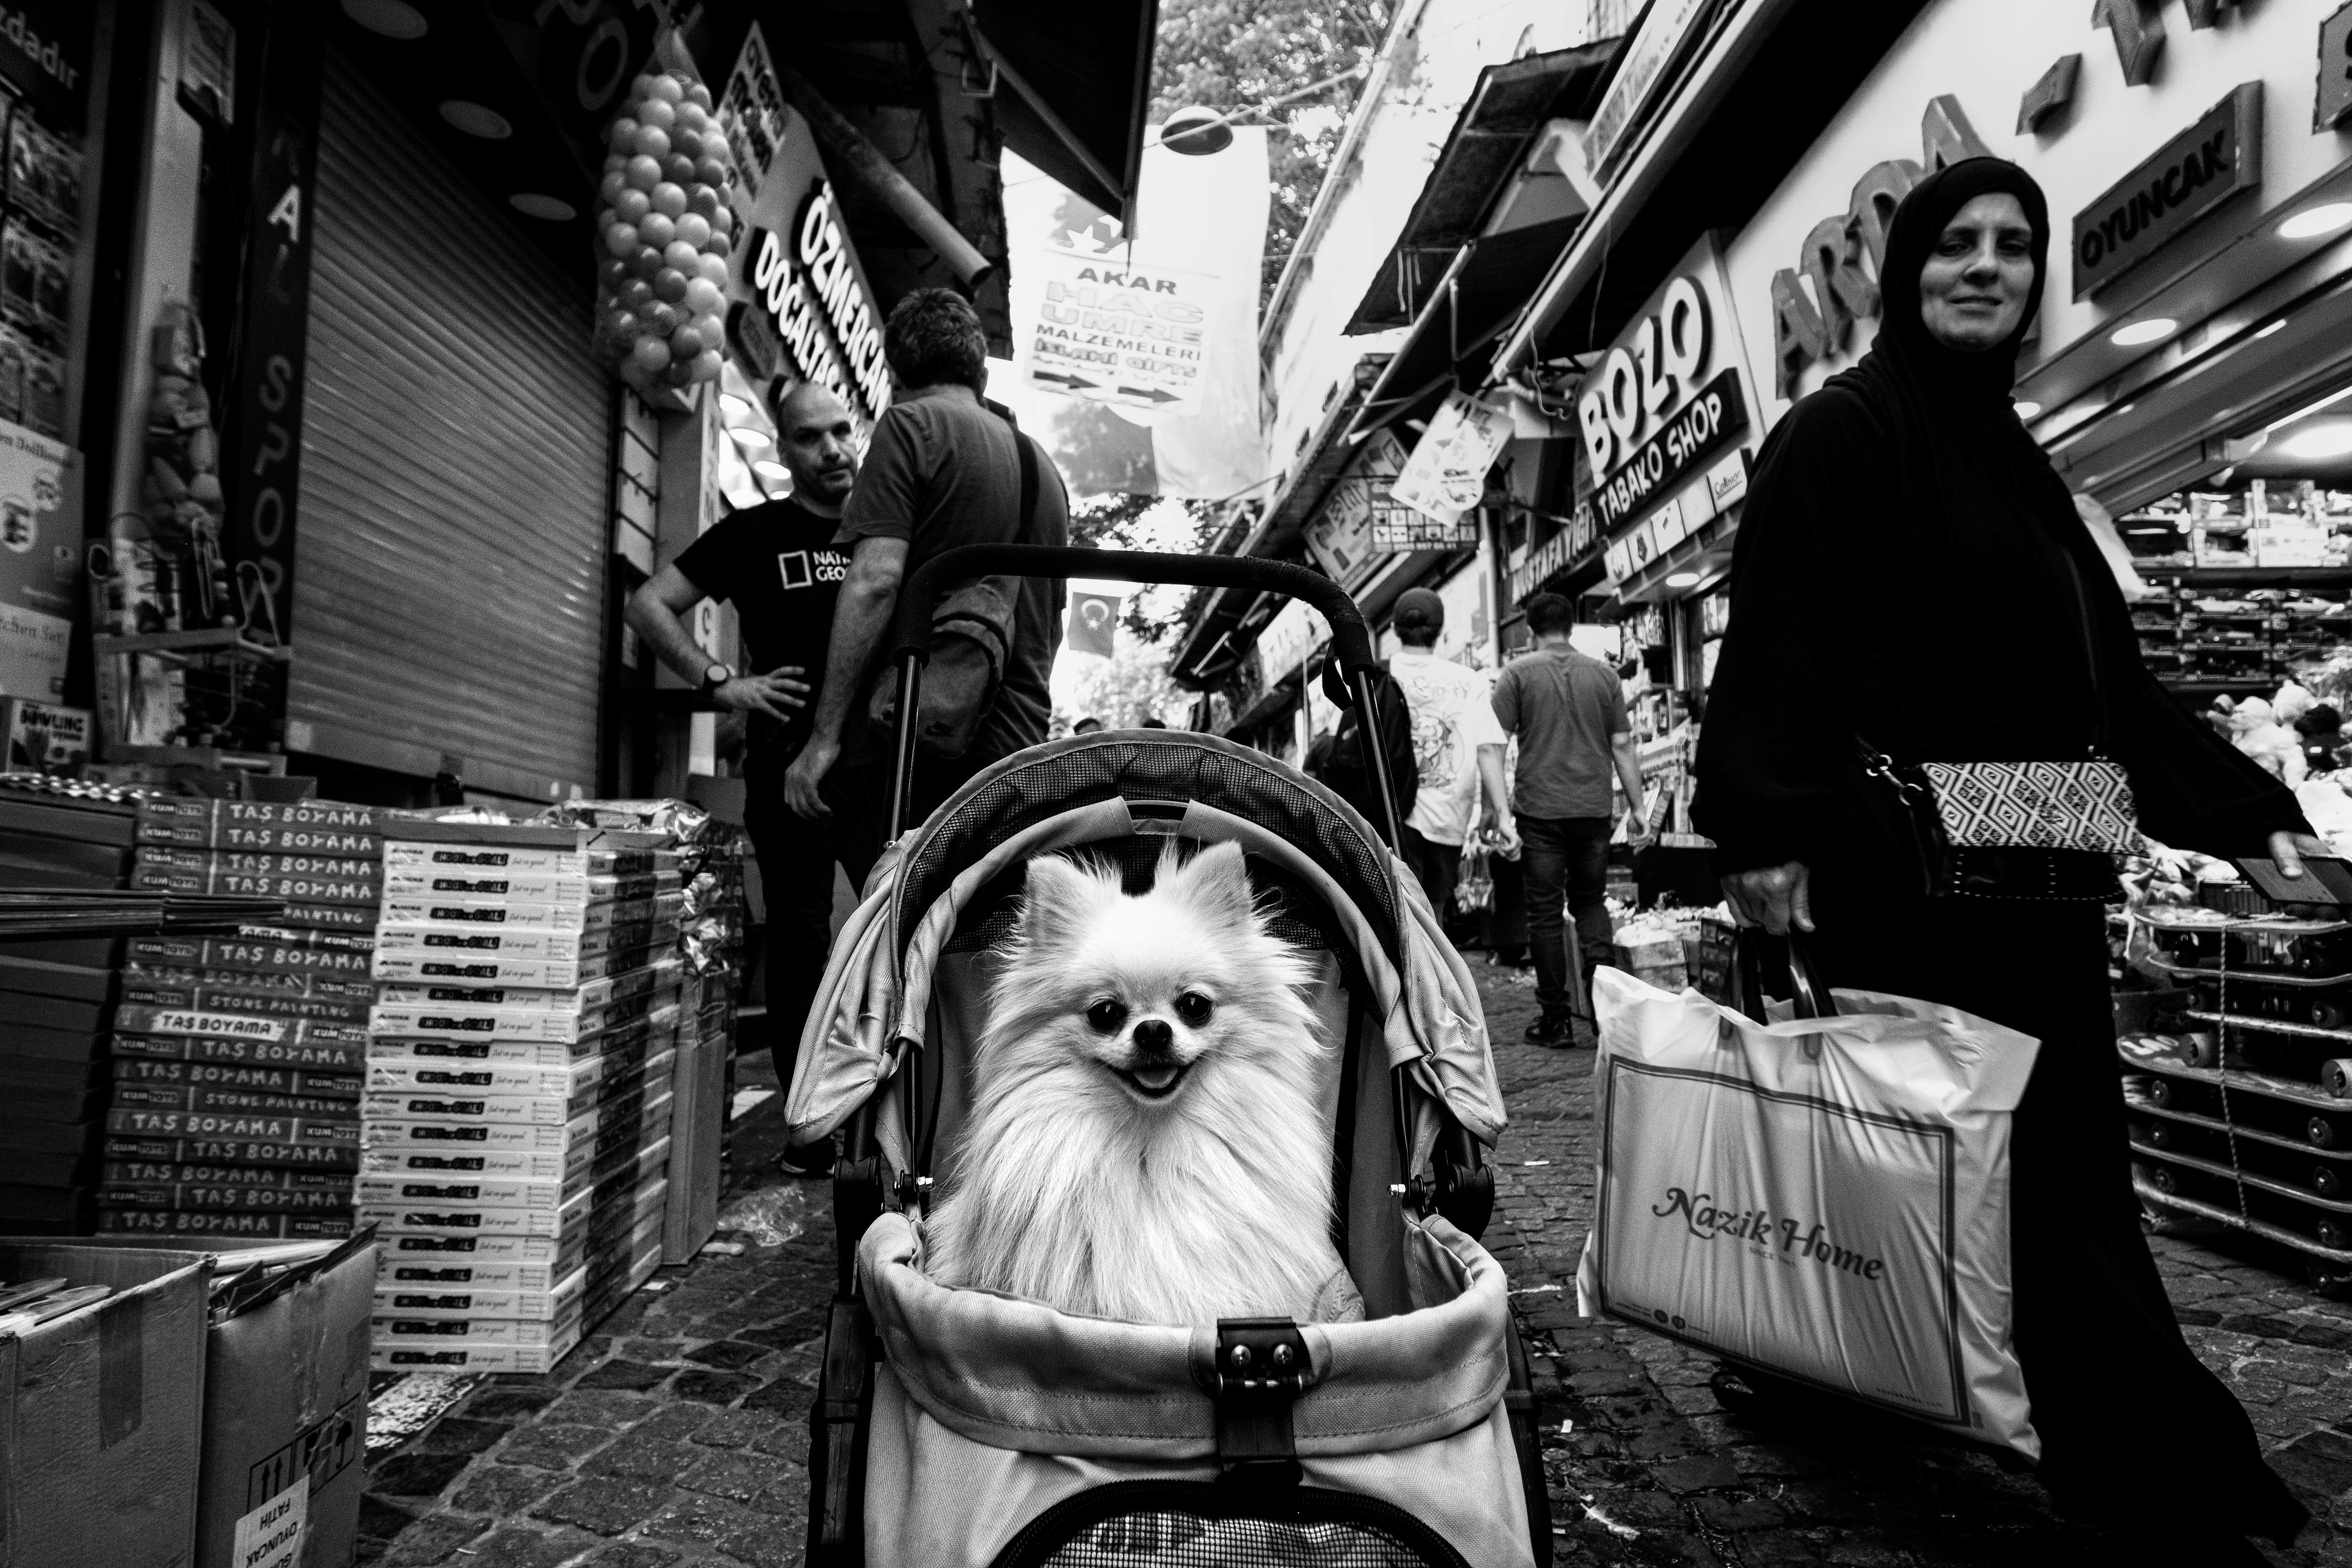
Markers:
<point>1682,580</point>
<point>390,18</point>
<point>2277,326</point>
<point>2313,222</point>
<point>750,436</point>
<point>736,407</point>
<point>2305,412</point>
<point>2027,408</point>
<point>2138,333</point>
<point>532,204</point>
<point>2332,440</point>
<point>475,120</point>
<point>769,467</point>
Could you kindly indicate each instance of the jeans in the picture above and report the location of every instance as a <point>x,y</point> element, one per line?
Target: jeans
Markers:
<point>1437,867</point>
<point>796,859</point>
<point>1566,861</point>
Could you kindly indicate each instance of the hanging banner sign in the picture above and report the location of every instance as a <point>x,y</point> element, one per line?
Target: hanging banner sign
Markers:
<point>1290,639</point>
<point>1092,620</point>
<point>1125,336</point>
<point>1344,538</point>
<point>1447,471</point>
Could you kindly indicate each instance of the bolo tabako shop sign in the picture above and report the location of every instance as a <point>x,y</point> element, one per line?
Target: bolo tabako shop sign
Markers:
<point>1659,420</point>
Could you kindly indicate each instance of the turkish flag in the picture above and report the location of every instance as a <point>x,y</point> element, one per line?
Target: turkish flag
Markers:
<point>1092,616</point>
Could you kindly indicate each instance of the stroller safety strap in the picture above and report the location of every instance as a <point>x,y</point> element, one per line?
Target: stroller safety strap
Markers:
<point>1015,1373</point>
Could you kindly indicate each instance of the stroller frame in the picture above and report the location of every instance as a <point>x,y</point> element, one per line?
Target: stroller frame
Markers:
<point>1253,1411</point>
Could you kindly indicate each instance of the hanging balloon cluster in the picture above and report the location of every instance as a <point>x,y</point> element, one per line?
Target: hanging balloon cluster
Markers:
<point>666,223</point>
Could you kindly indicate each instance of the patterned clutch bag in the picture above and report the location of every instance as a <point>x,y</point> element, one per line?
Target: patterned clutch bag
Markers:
<point>2084,806</point>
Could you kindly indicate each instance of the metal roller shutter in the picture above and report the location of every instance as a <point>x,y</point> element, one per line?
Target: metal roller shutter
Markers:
<point>450,554</point>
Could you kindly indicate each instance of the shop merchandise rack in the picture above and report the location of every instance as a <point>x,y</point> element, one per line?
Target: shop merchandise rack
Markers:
<point>236,1059</point>
<point>2239,1097</point>
<point>2214,637</point>
<point>520,1083</point>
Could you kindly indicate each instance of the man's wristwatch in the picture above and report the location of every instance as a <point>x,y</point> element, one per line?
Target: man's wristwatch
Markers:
<point>716,676</point>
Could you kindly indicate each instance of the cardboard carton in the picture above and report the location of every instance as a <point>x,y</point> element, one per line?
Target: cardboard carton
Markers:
<point>285,1417</point>
<point>104,1410</point>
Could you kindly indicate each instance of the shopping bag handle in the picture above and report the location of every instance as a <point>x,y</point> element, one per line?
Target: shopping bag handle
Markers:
<point>1810,994</point>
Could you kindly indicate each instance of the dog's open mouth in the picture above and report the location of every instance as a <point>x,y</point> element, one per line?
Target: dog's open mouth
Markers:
<point>1156,1081</point>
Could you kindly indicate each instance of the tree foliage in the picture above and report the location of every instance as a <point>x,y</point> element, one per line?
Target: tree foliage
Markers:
<point>1126,689</point>
<point>1230,54</point>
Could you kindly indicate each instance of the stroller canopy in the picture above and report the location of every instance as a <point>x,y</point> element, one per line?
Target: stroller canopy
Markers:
<point>951,884</point>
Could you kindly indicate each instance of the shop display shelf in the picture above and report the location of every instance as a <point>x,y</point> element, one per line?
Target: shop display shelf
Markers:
<point>2253,976</point>
<point>2215,1124</point>
<point>2238,1079</point>
<point>2338,1037</point>
<point>2250,576</point>
<point>228,640</point>
<point>2237,1221</point>
<point>2253,1178</point>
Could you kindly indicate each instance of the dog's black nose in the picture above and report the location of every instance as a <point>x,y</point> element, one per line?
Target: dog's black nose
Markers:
<point>1154,1035</point>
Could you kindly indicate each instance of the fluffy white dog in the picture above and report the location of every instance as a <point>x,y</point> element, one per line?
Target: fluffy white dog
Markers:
<point>1146,1140</point>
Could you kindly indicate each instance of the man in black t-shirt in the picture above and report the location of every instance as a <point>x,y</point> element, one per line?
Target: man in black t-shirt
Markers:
<point>777,564</point>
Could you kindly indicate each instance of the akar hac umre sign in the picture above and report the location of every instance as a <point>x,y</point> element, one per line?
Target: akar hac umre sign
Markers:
<point>2191,174</point>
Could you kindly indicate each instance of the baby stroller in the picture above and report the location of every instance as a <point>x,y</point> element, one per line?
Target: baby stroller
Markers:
<point>965,1427</point>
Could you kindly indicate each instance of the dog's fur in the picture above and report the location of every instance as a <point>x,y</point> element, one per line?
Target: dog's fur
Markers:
<point>1101,1193</point>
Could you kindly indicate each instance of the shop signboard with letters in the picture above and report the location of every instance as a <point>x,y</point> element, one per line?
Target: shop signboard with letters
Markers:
<point>2147,151</point>
<point>2219,157</point>
<point>1655,416</point>
<point>799,305</point>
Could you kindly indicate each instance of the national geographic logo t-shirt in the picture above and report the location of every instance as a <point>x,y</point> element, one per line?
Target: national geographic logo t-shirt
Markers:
<point>777,564</point>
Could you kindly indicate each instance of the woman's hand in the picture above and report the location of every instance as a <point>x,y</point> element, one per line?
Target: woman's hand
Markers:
<point>2287,850</point>
<point>1777,897</point>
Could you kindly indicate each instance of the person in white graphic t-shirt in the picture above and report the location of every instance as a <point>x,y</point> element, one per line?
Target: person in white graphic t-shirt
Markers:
<point>1455,740</point>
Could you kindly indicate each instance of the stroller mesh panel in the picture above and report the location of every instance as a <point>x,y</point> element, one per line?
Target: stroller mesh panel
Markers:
<point>1182,768</point>
<point>1299,916</point>
<point>1190,1525</point>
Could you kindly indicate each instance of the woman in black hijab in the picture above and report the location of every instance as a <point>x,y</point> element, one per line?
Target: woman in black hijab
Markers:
<point>1910,570</point>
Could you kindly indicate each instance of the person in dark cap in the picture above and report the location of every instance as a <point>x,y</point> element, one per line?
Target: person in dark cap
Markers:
<point>1908,559</point>
<point>1457,744</point>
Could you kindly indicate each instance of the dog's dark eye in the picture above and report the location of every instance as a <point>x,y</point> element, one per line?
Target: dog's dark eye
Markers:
<point>1107,1017</point>
<point>1194,1008</point>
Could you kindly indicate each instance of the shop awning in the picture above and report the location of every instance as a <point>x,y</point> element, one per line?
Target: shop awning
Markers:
<point>1080,81</point>
<point>1707,158</point>
<point>1482,292</point>
<point>1510,103</point>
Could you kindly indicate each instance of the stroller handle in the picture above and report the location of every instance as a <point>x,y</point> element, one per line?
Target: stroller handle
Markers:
<point>910,635</point>
<point>1351,640</point>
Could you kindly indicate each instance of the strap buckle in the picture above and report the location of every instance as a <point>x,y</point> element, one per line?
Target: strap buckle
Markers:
<point>1261,1369</point>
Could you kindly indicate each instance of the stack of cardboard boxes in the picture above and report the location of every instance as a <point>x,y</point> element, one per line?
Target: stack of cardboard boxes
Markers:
<point>518,1087</point>
<point>56,1006</point>
<point>237,1059</point>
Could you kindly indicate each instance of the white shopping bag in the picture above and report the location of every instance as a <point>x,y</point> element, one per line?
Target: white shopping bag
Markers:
<point>1824,1198</point>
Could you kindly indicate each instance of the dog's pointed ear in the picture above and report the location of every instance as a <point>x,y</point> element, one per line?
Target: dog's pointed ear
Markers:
<point>1215,882</point>
<point>1062,895</point>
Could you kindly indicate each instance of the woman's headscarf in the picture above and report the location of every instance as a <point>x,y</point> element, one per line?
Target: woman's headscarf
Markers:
<point>1909,360</point>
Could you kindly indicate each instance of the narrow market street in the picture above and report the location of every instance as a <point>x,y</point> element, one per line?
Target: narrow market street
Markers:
<point>677,1434</point>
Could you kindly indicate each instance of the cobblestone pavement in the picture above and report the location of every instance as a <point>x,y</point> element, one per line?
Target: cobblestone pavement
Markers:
<point>676,1434</point>
<point>1650,1469</point>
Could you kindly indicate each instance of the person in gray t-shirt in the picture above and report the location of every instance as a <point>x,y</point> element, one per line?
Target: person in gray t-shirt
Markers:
<point>1567,711</point>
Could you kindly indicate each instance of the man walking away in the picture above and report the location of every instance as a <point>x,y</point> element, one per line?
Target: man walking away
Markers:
<point>777,563</point>
<point>1569,712</point>
<point>946,467</point>
<point>1456,745</point>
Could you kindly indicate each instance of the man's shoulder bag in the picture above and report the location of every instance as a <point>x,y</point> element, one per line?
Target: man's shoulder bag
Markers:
<point>972,632</point>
